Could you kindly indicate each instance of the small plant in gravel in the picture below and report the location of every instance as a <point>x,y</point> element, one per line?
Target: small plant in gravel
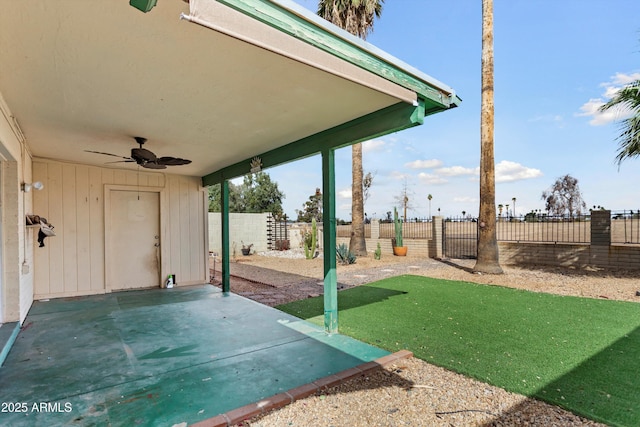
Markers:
<point>378,253</point>
<point>310,241</point>
<point>344,255</point>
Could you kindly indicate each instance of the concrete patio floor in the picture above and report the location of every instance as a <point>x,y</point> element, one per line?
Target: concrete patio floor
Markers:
<point>161,357</point>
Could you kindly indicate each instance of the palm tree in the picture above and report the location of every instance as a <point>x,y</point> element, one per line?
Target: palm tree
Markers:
<point>627,99</point>
<point>356,17</point>
<point>488,259</point>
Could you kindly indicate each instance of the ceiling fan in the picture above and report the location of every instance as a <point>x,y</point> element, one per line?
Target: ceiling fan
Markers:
<point>146,158</point>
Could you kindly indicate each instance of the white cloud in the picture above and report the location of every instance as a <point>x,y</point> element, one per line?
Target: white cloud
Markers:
<point>428,178</point>
<point>345,193</point>
<point>591,107</point>
<point>398,175</point>
<point>423,164</point>
<point>457,171</point>
<point>507,171</point>
<point>622,79</point>
<point>465,199</point>
<point>373,145</point>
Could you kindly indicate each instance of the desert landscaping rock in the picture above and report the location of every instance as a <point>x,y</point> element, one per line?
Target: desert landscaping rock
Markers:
<point>414,392</point>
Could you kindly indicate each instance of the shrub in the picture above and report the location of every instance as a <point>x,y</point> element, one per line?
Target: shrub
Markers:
<point>344,255</point>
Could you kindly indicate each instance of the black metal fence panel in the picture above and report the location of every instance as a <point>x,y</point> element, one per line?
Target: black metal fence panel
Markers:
<point>540,227</point>
<point>277,233</point>
<point>625,227</point>
<point>460,238</point>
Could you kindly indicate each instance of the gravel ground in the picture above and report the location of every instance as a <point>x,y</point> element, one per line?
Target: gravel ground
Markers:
<point>416,393</point>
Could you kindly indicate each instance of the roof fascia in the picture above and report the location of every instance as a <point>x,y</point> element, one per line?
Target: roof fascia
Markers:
<point>387,120</point>
<point>298,22</point>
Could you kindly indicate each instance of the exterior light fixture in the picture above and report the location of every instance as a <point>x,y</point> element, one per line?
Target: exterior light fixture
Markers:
<point>36,185</point>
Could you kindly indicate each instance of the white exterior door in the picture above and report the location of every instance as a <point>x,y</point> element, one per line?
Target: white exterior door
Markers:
<point>134,259</point>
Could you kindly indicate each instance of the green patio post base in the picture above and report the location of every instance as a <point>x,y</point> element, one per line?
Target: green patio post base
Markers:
<point>329,241</point>
<point>224,212</point>
<point>331,302</point>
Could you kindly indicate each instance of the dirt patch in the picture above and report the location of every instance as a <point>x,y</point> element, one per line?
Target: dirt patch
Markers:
<point>591,283</point>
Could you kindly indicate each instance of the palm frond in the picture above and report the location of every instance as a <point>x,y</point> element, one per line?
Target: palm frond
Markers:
<point>627,100</point>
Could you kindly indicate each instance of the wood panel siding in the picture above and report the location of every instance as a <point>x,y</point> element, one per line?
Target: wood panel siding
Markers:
<point>73,200</point>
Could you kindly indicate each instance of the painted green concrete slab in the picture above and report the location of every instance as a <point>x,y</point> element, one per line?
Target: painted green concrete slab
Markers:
<point>8,334</point>
<point>161,357</point>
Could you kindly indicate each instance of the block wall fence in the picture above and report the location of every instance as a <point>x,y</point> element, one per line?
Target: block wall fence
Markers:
<point>600,253</point>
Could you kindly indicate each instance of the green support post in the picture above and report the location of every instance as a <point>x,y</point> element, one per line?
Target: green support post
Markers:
<point>329,241</point>
<point>224,215</point>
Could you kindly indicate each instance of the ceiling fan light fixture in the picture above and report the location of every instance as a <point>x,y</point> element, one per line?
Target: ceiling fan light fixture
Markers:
<point>146,158</point>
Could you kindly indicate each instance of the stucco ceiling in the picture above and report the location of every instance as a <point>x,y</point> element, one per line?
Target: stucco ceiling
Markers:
<point>90,75</point>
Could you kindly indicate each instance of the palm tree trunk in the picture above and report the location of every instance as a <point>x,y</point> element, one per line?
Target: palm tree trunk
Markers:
<point>488,260</point>
<point>357,244</point>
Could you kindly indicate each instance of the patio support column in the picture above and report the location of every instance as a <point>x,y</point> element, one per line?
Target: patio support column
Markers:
<point>329,241</point>
<point>224,217</point>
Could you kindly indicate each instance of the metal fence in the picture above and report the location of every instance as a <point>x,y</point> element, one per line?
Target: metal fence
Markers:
<point>412,229</point>
<point>345,231</point>
<point>544,228</point>
<point>460,238</point>
<point>277,233</point>
<point>533,227</point>
<point>625,227</point>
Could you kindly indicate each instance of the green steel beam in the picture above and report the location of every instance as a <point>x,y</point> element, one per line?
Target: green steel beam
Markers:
<point>387,120</point>
<point>346,47</point>
<point>329,241</point>
<point>224,215</point>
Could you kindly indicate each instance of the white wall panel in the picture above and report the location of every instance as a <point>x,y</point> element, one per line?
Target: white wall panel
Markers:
<point>73,200</point>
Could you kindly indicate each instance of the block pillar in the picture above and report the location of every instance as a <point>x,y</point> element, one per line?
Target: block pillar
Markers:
<point>436,246</point>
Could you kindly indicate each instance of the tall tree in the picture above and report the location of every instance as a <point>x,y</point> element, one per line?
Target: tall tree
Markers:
<point>311,209</point>
<point>235,199</point>
<point>257,193</point>
<point>564,197</point>
<point>627,100</point>
<point>488,258</point>
<point>260,194</point>
<point>356,17</point>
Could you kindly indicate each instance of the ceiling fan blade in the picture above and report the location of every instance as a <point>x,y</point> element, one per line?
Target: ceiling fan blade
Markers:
<point>107,154</point>
<point>122,161</point>
<point>143,155</point>
<point>173,161</point>
<point>153,165</point>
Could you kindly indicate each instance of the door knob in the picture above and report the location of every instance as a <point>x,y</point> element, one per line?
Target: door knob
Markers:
<point>157,245</point>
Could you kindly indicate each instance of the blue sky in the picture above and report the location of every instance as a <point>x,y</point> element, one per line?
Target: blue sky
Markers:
<point>555,62</point>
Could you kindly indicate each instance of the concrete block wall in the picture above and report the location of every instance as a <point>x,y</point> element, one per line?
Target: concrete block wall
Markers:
<point>617,257</point>
<point>564,255</point>
<point>624,257</point>
<point>600,228</point>
<point>243,227</point>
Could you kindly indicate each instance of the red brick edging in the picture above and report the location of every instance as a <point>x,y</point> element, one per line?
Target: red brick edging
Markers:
<point>278,401</point>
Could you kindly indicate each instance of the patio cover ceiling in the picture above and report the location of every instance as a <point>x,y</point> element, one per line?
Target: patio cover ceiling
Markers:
<point>91,75</point>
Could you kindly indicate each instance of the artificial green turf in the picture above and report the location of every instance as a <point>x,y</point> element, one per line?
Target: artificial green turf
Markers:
<point>579,353</point>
